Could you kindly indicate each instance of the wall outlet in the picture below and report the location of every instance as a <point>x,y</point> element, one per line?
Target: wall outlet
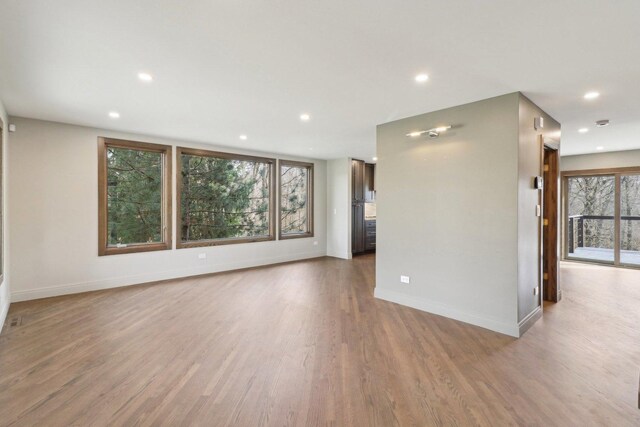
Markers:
<point>405,279</point>
<point>315,243</point>
<point>536,290</point>
<point>202,256</point>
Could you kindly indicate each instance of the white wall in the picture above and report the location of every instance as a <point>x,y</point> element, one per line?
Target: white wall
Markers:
<point>614,159</point>
<point>339,208</point>
<point>447,213</point>
<point>5,291</point>
<point>53,184</point>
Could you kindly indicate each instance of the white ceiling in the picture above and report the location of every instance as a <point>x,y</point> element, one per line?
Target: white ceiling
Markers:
<point>230,67</point>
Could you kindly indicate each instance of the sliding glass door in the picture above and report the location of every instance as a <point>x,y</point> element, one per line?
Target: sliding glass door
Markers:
<point>630,219</point>
<point>602,216</point>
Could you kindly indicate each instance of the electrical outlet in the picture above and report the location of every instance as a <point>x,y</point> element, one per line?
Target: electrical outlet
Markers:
<point>405,279</point>
<point>202,256</point>
<point>315,243</point>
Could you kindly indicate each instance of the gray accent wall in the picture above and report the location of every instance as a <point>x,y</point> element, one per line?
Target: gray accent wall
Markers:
<point>457,214</point>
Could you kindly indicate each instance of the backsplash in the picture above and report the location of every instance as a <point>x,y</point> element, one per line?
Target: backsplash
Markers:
<point>370,211</point>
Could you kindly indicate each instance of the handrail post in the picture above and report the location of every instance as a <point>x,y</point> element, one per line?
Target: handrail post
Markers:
<point>581,232</point>
<point>571,235</point>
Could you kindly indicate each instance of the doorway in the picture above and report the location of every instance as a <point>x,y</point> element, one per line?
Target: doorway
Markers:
<point>550,224</point>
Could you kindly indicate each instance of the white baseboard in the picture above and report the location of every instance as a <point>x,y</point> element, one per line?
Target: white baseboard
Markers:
<point>450,312</point>
<point>528,321</point>
<point>4,310</point>
<point>116,282</point>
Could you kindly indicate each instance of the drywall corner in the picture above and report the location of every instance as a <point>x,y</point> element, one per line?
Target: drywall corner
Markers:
<point>339,208</point>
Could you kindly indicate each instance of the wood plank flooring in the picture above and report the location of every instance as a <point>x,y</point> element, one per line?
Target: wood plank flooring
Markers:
<point>307,344</point>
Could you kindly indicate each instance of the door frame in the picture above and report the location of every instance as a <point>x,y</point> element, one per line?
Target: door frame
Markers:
<point>550,289</point>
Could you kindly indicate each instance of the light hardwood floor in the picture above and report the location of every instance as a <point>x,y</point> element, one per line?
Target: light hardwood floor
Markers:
<point>307,344</point>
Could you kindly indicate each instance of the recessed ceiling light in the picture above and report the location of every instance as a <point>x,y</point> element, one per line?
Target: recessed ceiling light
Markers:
<point>583,130</point>
<point>305,117</point>
<point>375,159</point>
<point>602,123</point>
<point>145,77</point>
<point>591,95</point>
<point>243,137</point>
<point>114,114</point>
<point>414,134</point>
<point>421,78</point>
<point>600,147</point>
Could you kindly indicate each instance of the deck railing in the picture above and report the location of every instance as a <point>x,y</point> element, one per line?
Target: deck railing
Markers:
<point>576,223</point>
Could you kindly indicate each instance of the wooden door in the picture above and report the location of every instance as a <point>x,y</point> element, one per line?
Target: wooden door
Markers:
<point>550,225</point>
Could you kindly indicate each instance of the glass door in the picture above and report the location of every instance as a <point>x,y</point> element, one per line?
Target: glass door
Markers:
<point>602,216</point>
<point>630,219</point>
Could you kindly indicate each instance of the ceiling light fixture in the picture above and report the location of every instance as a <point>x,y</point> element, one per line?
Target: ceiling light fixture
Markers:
<point>433,133</point>
<point>114,114</point>
<point>375,159</point>
<point>602,123</point>
<point>305,117</point>
<point>243,137</point>
<point>145,77</point>
<point>583,130</point>
<point>599,148</point>
<point>421,78</point>
<point>591,95</point>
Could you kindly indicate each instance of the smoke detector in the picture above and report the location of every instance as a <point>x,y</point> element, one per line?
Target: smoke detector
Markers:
<point>602,123</point>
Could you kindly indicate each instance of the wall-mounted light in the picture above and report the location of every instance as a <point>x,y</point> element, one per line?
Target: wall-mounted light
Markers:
<point>433,133</point>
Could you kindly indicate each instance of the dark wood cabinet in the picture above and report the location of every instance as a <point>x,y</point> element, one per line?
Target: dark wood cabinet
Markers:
<point>369,235</point>
<point>357,228</point>
<point>363,233</point>
<point>369,182</point>
<point>357,180</point>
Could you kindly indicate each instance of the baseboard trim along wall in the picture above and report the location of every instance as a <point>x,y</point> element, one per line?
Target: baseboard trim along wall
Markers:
<point>446,311</point>
<point>4,310</point>
<point>117,282</point>
<point>528,321</point>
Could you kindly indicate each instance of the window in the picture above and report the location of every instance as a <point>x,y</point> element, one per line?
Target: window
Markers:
<point>602,216</point>
<point>296,199</point>
<point>134,180</point>
<point>224,198</point>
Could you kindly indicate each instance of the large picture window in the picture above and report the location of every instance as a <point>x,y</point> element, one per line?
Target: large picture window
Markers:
<point>134,180</point>
<point>224,198</point>
<point>602,216</point>
<point>296,199</point>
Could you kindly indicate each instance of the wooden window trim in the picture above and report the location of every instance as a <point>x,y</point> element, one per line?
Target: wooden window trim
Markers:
<point>310,199</point>
<point>180,244</point>
<point>167,223</point>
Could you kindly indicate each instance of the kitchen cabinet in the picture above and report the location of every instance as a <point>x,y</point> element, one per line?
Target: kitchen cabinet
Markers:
<point>357,228</point>
<point>363,233</point>
<point>357,180</point>
<point>369,235</point>
<point>369,182</point>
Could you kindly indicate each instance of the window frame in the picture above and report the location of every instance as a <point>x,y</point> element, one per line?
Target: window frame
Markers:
<point>167,208</point>
<point>310,199</point>
<point>617,174</point>
<point>180,244</point>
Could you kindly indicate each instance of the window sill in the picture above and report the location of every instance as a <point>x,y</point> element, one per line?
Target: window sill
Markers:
<point>145,247</point>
